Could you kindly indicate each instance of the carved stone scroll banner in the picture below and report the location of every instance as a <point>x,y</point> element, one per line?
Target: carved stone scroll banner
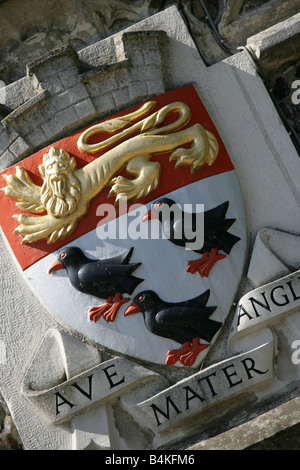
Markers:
<point>94,387</point>
<point>263,307</point>
<point>70,385</point>
<point>256,311</point>
<point>192,396</point>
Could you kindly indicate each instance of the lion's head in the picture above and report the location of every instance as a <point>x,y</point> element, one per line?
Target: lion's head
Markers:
<point>61,189</point>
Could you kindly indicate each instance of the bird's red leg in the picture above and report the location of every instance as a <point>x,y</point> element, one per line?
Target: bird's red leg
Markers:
<point>97,312</point>
<point>204,264</point>
<point>194,266</point>
<point>190,356</point>
<point>111,314</point>
<point>108,310</point>
<point>174,355</point>
<point>214,258</point>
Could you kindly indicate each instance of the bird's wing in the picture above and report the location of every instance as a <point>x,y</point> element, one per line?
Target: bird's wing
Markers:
<point>206,329</point>
<point>176,316</point>
<point>194,219</point>
<point>213,226</point>
<point>186,228</point>
<point>185,224</point>
<point>226,241</point>
<point>214,219</point>
<point>122,258</point>
<point>98,272</point>
<point>198,302</point>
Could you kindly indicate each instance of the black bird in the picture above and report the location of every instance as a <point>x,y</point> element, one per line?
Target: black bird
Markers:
<point>177,224</point>
<point>185,322</point>
<point>105,278</point>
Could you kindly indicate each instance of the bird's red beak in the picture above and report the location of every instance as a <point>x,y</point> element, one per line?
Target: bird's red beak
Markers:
<point>150,215</point>
<point>133,308</point>
<point>55,266</point>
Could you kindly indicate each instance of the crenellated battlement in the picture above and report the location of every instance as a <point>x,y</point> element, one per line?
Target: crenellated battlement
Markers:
<point>61,92</point>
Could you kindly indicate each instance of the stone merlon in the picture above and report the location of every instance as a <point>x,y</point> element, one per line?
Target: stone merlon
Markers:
<point>62,93</point>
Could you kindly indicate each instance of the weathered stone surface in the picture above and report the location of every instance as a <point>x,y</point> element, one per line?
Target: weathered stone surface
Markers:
<point>287,439</point>
<point>278,45</point>
<point>33,28</point>
<point>266,432</point>
<point>9,437</point>
<point>31,37</point>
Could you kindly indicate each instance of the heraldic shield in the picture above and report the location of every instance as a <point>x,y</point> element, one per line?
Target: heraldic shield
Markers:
<point>132,231</point>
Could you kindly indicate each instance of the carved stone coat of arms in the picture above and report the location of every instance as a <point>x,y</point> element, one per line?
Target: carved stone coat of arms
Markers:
<point>143,213</point>
<point>149,205</point>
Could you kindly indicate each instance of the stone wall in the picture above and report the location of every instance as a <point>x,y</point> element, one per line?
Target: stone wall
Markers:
<point>29,28</point>
<point>32,29</point>
<point>46,104</point>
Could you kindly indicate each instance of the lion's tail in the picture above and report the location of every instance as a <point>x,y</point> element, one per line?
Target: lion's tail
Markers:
<point>213,148</point>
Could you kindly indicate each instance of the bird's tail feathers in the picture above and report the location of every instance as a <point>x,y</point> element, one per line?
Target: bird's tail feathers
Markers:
<point>130,268</point>
<point>122,258</point>
<point>127,256</point>
<point>226,241</point>
<point>200,300</point>
<point>209,329</point>
<point>124,269</point>
<point>209,311</point>
<point>136,265</point>
<point>132,283</point>
<point>228,223</point>
<point>219,212</point>
<point>204,297</point>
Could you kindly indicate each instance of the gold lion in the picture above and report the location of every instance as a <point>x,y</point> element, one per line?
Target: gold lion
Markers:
<point>66,192</point>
